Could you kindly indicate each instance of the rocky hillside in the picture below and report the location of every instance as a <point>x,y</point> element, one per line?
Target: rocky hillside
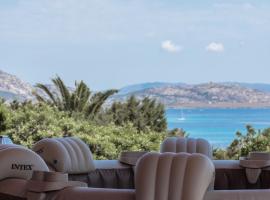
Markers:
<point>11,87</point>
<point>173,95</point>
<point>143,86</point>
<point>205,95</point>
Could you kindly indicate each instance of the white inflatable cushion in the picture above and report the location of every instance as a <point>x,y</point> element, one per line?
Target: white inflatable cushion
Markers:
<point>19,162</point>
<point>188,145</point>
<point>171,176</point>
<point>68,155</point>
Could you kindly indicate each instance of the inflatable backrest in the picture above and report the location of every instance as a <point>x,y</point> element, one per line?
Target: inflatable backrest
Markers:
<point>19,162</point>
<point>171,176</point>
<point>189,145</point>
<point>68,155</point>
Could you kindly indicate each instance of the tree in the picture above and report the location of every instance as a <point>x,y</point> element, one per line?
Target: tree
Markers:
<point>252,140</point>
<point>14,104</point>
<point>176,132</point>
<point>97,101</point>
<point>3,125</point>
<point>143,114</point>
<point>80,100</point>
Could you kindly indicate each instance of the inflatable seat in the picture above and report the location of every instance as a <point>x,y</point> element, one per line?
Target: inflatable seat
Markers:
<point>167,176</point>
<point>68,155</point>
<point>189,145</point>
<point>71,155</point>
<point>17,165</point>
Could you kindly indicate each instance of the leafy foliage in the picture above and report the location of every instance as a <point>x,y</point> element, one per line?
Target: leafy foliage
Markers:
<point>80,100</point>
<point>29,123</point>
<point>144,114</point>
<point>3,120</point>
<point>177,133</point>
<point>134,125</point>
<point>253,140</point>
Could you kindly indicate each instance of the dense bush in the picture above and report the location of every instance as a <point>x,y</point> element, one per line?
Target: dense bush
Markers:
<point>29,123</point>
<point>252,140</point>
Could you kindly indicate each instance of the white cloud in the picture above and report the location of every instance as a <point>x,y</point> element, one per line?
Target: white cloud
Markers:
<point>169,46</point>
<point>89,21</point>
<point>215,47</point>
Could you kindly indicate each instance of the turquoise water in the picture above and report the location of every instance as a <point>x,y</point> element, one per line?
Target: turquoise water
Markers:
<point>217,125</point>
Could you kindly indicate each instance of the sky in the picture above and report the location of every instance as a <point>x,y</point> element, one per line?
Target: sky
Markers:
<point>114,43</point>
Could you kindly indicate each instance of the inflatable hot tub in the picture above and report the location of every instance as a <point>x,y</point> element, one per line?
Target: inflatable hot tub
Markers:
<point>182,163</point>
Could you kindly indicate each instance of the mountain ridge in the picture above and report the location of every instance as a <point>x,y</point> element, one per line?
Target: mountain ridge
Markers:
<point>172,95</point>
<point>14,88</point>
<point>210,95</point>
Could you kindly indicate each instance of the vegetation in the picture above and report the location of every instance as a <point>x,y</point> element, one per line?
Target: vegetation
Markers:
<point>252,140</point>
<point>144,114</point>
<point>177,132</point>
<point>81,100</point>
<point>134,125</point>
<point>29,123</point>
<point>3,120</point>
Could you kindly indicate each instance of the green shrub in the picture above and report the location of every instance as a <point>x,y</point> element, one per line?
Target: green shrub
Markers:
<point>252,140</point>
<point>30,123</point>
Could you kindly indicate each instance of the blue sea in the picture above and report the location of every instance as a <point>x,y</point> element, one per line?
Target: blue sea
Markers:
<point>217,125</point>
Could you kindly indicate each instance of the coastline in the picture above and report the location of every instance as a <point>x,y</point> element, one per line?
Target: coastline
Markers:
<point>219,106</point>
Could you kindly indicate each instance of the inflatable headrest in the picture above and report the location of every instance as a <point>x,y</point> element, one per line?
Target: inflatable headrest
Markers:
<point>173,176</point>
<point>68,155</point>
<point>189,145</point>
<point>19,162</point>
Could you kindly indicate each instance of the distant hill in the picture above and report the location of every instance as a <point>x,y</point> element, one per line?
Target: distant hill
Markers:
<point>257,86</point>
<point>173,95</point>
<point>11,87</point>
<point>204,95</point>
<point>143,86</point>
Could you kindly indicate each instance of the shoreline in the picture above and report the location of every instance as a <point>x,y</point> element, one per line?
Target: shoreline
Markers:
<point>219,106</point>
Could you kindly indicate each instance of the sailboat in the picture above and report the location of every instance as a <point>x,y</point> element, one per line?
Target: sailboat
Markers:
<point>182,118</point>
